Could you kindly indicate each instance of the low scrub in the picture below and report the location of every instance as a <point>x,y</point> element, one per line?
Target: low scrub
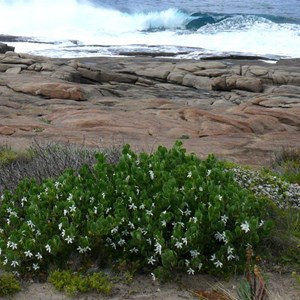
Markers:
<point>163,212</point>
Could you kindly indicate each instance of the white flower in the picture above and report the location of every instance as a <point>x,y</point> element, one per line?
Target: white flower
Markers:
<point>230,250</point>
<point>72,208</point>
<point>201,189</point>
<point>70,197</point>
<point>153,276</point>
<point>220,236</point>
<point>39,256</point>
<point>121,242</point>
<point>80,249</point>
<point>24,199</point>
<point>200,266</point>
<point>151,173</point>
<point>208,172</point>
<point>163,223</point>
<point>56,184</point>
<point>194,253</point>
<point>187,262</point>
<point>5,261</point>
<point>35,266</point>
<point>132,206</point>
<point>178,245</point>
<point>65,212</point>
<point>213,257</point>
<point>128,155</point>
<point>151,260</point>
<point>125,232</point>
<point>103,195</point>
<point>28,253</point>
<point>230,257</point>
<point>131,225</point>
<point>184,241</point>
<point>14,263</point>
<point>134,250</point>
<point>220,197</point>
<point>149,213</point>
<point>63,233</point>
<point>114,230</point>
<point>48,248</point>
<point>193,219</point>
<point>69,240</point>
<point>190,271</point>
<point>218,264</point>
<point>142,206</point>
<point>12,245</point>
<point>60,225</point>
<point>224,219</point>
<point>149,241</point>
<point>245,226</point>
<point>262,222</point>
<point>189,175</point>
<point>187,212</point>
<point>95,210</point>
<point>158,248</point>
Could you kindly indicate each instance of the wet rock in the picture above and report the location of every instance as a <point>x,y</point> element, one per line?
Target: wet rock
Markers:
<point>5,48</point>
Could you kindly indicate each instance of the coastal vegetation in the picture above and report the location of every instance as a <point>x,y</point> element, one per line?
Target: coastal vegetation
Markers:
<point>65,208</point>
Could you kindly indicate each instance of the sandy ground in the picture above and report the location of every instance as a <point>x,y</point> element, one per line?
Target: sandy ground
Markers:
<point>182,287</point>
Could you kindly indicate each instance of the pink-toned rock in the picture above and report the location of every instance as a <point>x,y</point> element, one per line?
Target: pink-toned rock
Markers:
<point>51,90</point>
<point>5,130</point>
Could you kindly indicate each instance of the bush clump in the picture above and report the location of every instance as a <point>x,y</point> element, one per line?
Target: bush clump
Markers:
<point>72,283</point>
<point>8,284</point>
<point>164,211</point>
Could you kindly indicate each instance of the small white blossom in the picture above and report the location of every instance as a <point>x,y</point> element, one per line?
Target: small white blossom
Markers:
<point>189,175</point>
<point>63,233</point>
<point>178,245</point>
<point>201,189</point>
<point>5,261</point>
<point>28,253</point>
<point>164,223</point>
<point>12,245</point>
<point>142,206</point>
<point>69,239</point>
<point>213,257</point>
<point>224,219</point>
<point>151,173</point>
<point>230,250</point>
<point>95,210</point>
<point>121,242</point>
<point>158,248</point>
<point>194,253</point>
<point>48,248</point>
<point>184,241</point>
<point>230,257</point>
<point>262,222</point>
<point>149,241</point>
<point>134,250</point>
<point>193,219</point>
<point>149,213</point>
<point>70,197</point>
<point>56,184</point>
<point>187,262</point>
<point>208,173</point>
<point>245,226</point>
<point>14,263</point>
<point>220,197</point>
<point>132,206</point>
<point>60,225</point>
<point>114,230</point>
<point>72,208</point>
<point>129,156</point>
<point>151,260</point>
<point>39,256</point>
<point>190,271</point>
<point>65,212</point>
<point>200,266</point>
<point>153,276</point>
<point>218,264</point>
<point>35,266</point>
<point>131,225</point>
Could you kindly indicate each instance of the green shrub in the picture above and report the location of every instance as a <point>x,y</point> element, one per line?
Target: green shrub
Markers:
<point>8,285</point>
<point>74,283</point>
<point>167,209</point>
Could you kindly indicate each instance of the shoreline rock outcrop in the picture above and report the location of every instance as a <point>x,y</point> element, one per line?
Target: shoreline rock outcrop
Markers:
<point>238,109</point>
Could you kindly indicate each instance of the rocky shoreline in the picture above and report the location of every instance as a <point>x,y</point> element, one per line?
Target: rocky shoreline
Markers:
<point>240,109</point>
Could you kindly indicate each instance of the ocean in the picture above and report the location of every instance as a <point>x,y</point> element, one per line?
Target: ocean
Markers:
<point>174,28</point>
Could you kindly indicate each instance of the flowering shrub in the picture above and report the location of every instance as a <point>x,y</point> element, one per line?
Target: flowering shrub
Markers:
<point>166,210</point>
